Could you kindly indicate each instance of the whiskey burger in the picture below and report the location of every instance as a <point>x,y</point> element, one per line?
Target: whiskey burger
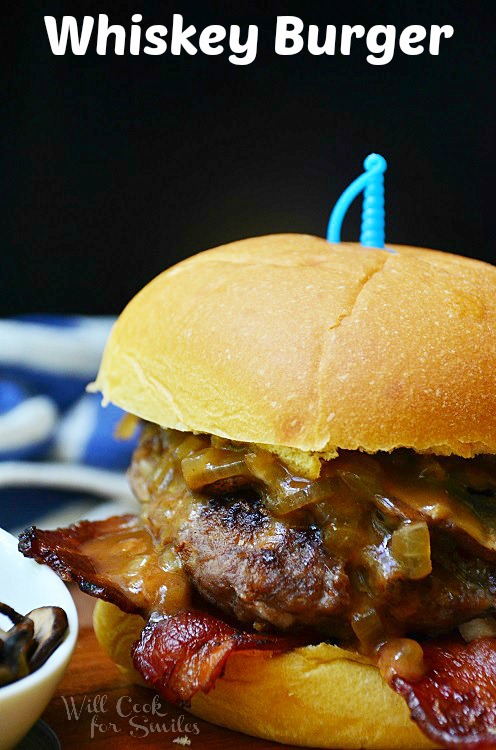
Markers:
<point>314,561</point>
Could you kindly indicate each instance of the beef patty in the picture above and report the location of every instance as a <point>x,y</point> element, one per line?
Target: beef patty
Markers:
<point>260,569</point>
<point>376,547</point>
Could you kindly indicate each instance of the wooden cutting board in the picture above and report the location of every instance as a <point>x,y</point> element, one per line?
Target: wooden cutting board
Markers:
<point>95,707</point>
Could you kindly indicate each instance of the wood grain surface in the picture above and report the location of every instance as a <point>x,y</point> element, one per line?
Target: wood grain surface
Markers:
<point>111,713</point>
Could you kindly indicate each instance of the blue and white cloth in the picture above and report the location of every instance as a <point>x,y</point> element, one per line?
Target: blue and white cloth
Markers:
<point>56,440</point>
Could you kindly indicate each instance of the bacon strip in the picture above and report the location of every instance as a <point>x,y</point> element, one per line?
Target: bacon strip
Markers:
<point>115,560</point>
<point>179,656</point>
<point>454,704</point>
<point>63,550</point>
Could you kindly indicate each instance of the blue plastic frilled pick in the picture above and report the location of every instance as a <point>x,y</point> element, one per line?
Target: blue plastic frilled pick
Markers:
<point>373,215</point>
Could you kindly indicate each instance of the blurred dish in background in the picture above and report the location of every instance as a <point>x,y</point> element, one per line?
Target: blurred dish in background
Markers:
<point>58,450</point>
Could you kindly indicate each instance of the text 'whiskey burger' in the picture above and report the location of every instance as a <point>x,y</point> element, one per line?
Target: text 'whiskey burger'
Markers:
<point>315,557</point>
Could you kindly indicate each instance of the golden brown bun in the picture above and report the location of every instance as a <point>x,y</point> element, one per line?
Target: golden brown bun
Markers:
<point>288,340</point>
<point>318,696</point>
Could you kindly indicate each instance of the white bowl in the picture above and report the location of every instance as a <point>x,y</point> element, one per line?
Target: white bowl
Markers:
<point>25,585</point>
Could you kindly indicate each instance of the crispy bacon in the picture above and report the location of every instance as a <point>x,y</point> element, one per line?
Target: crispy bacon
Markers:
<point>64,551</point>
<point>179,656</point>
<point>116,560</point>
<point>454,703</point>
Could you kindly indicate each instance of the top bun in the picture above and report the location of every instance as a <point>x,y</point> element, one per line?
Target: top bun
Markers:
<point>293,342</point>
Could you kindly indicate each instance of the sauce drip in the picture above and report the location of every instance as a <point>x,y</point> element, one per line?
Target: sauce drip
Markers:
<point>401,657</point>
<point>413,532</point>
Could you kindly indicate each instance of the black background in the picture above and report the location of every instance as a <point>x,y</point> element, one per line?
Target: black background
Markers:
<point>115,167</point>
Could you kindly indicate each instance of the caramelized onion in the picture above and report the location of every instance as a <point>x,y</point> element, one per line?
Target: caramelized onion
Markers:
<point>284,492</point>
<point>480,627</point>
<point>361,474</point>
<point>211,465</point>
<point>341,538</point>
<point>291,499</point>
<point>368,628</point>
<point>411,548</point>
<point>127,427</point>
<point>190,444</point>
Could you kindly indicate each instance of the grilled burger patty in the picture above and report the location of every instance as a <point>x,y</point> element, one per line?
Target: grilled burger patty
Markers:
<point>260,569</point>
<point>373,548</point>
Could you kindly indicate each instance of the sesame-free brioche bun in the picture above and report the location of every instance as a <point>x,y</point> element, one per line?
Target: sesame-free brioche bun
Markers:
<point>288,340</point>
<point>308,347</point>
<point>316,696</point>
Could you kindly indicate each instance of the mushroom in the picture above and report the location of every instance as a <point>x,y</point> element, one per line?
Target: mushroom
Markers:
<point>16,649</point>
<point>9,612</point>
<point>50,625</point>
<point>30,640</point>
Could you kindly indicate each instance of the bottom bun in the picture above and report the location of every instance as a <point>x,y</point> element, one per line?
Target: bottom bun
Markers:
<point>317,696</point>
